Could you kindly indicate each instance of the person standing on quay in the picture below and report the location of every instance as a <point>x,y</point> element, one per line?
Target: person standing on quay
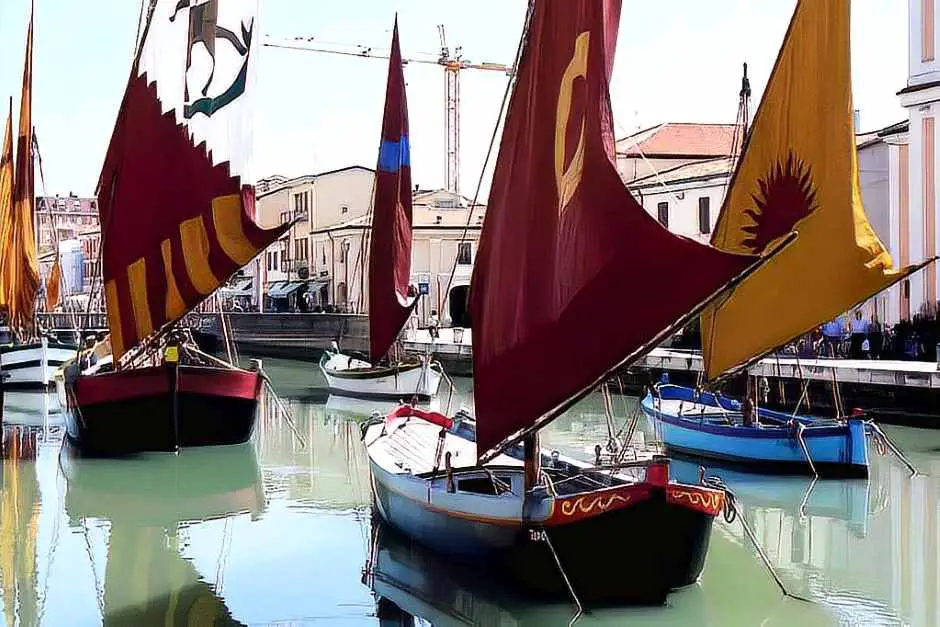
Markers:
<point>859,334</point>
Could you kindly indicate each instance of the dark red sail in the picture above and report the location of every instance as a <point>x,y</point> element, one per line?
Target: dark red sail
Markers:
<point>573,277</point>
<point>175,198</point>
<point>390,245</point>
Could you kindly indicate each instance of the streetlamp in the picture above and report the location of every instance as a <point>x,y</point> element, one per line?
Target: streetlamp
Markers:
<point>345,246</point>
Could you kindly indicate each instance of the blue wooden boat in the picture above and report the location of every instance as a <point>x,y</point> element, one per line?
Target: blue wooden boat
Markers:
<point>703,425</point>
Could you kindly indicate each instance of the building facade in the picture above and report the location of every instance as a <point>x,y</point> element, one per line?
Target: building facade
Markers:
<point>62,218</point>
<point>686,199</point>
<point>671,145</point>
<point>322,263</point>
<point>918,227</point>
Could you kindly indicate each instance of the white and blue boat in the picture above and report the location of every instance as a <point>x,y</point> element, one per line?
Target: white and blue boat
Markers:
<point>704,425</point>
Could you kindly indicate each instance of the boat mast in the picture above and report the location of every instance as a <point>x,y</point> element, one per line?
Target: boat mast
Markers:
<point>744,104</point>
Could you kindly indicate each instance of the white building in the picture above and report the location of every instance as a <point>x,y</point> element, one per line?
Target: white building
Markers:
<point>687,198</point>
<point>325,253</point>
<point>914,201</point>
<point>291,266</point>
<point>445,232</point>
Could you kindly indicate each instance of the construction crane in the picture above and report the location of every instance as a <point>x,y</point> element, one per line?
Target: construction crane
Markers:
<point>452,64</point>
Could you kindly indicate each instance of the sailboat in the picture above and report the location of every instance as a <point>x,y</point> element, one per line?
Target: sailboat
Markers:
<point>798,171</point>
<point>176,211</point>
<point>392,296</point>
<point>32,358</point>
<point>573,280</point>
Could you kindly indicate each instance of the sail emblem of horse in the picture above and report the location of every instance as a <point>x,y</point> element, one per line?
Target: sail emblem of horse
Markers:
<point>176,204</point>
<point>204,29</point>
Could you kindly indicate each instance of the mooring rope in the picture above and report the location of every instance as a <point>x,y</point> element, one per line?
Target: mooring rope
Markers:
<point>731,505</point>
<point>878,433</point>
<point>543,535</point>
<point>796,430</point>
<point>279,403</point>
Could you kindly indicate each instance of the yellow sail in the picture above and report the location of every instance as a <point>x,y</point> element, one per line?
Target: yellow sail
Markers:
<point>6,199</point>
<point>54,285</point>
<point>20,265</point>
<point>799,171</point>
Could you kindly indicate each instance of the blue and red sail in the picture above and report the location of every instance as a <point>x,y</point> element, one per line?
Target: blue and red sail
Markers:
<point>390,297</point>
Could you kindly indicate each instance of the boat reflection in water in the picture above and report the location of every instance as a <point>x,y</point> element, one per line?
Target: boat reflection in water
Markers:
<point>149,503</point>
<point>19,520</point>
<point>799,497</point>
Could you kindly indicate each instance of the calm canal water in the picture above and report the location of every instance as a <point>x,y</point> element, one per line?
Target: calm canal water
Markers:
<point>279,532</point>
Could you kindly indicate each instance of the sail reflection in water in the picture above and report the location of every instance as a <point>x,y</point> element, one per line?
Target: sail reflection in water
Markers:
<point>19,516</point>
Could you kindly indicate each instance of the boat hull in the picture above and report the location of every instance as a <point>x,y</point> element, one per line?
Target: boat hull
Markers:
<point>665,545</point>
<point>405,382</point>
<point>132,411</point>
<point>837,450</point>
<point>31,365</point>
<point>485,516</point>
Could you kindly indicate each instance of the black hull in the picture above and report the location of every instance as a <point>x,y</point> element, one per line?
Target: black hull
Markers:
<point>146,424</point>
<point>631,556</point>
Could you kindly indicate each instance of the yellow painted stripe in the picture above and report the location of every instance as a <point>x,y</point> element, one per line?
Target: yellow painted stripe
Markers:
<point>114,318</point>
<point>174,302</point>
<point>227,218</point>
<point>137,279</point>
<point>196,255</point>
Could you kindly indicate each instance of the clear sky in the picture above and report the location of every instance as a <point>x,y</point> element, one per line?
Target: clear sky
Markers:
<point>677,60</point>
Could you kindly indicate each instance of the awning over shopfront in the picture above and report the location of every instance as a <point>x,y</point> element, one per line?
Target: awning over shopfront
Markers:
<point>240,287</point>
<point>283,289</point>
<point>316,286</point>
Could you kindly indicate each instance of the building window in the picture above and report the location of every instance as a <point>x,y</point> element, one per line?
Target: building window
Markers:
<point>704,215</point>
<point>301,248</point>
<point>662,209</point>
<point>285,217</point>
<point>927,30</point>
<point>464,256</point>
<point>302,205</point>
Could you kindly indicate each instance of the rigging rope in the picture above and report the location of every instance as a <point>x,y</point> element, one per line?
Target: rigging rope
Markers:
<point>520,48</point>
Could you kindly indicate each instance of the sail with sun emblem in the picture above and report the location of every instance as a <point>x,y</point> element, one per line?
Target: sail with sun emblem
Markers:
<point>176,205</point>
<point>798,171</point>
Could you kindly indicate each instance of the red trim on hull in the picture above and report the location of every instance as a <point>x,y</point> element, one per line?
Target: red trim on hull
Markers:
<point>567,510</point>
<point>705,500</point>
<point>128,384</point>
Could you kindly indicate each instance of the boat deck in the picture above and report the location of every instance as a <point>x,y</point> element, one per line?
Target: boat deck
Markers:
<point>413,449</point>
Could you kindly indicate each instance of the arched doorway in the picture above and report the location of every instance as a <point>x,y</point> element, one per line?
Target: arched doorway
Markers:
<point>459,304</point>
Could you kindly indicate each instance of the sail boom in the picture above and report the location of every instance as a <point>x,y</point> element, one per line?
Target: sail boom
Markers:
<point>901,275</point>
<point>569,263</point>
<point>798,171</point>
<point>635,355</point>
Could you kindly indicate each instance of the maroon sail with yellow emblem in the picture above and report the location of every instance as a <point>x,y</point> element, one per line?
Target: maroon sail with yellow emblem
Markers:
<point>174,197</point>
<point>573,276</point>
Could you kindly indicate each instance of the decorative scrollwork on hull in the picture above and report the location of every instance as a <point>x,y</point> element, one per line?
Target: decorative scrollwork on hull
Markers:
<point>707,501</point>
<point>586,505</point>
